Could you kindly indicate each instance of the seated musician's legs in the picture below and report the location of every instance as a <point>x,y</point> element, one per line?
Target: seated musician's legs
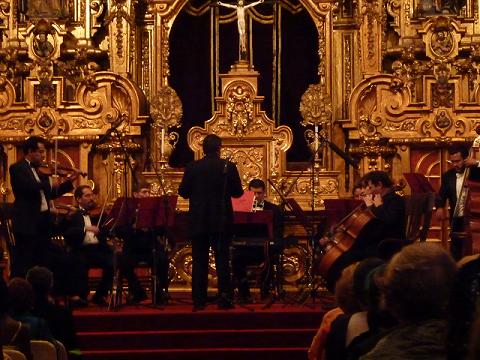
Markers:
<point>239,264</point>
<point>128,262</point>
<point>200,247</point>
<point>79,275</point>
<point>269,271</point>
<point>101,256</point>
<point>221,247</point>
<point>162,263</point>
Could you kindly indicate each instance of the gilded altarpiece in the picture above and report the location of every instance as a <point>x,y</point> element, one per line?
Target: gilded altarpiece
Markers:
<point>397,83</point>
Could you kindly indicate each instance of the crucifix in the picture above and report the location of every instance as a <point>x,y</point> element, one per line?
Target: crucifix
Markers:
<point>240,8</point>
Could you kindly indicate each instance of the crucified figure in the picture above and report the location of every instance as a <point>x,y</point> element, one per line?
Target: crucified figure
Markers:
<point>240,7</point>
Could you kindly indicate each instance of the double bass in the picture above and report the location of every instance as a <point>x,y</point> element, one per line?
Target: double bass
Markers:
<point>470,196</point>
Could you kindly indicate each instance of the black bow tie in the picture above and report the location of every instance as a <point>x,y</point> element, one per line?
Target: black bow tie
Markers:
<point>84,212</point>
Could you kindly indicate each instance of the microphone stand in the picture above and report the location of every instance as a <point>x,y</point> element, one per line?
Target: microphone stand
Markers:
<point>311,234</point>
<point>166,216</point>
<point>115,300</point>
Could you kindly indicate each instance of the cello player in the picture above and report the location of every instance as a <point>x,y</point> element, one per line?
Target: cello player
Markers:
<point>388,209</point>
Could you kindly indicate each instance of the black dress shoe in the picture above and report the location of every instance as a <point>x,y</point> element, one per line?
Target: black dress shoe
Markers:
<point>225,304</point>
<point>198,307</point>
<point>244,299</point>
<point>77,302</point>
<point>99,300</point>
<point>162,298</point>
<point>137,298</point>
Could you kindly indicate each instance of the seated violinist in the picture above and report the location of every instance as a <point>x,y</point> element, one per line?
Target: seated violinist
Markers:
<point>388,212</point>
<point>145,245</point>
<point>88,247</point>
<point>268,254</point>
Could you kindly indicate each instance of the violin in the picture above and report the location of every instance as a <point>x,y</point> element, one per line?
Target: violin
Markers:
<point>61,170</point>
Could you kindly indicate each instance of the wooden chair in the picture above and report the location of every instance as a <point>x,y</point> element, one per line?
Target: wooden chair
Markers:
<point>43,350</point>
<point>14,354</point>
<point>61,351</point>
<point>418,213</point>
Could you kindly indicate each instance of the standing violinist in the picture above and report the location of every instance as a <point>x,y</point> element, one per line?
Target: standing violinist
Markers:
<point>450,189</point>
<point>88,246</point>
<point>31,222</point>
<point>388,211</point>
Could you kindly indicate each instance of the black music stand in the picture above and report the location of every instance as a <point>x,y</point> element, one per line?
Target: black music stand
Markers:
<point>156,214</point>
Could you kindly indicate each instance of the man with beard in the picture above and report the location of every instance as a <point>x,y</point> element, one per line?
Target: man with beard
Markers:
<point>89,247</point>
<point>452,182</point>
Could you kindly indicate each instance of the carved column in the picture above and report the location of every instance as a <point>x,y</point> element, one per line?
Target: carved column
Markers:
<point>371,18</point>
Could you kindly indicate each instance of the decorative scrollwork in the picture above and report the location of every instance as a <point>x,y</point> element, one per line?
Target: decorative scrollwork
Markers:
<point>166,108</point>
<point>315,106</point>
<point>183,263</point>
<point>239,110</point>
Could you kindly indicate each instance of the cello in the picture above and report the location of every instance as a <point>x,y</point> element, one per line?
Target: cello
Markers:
<point>341,239</point>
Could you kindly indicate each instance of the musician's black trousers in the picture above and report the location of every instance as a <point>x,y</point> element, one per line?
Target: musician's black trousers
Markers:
<point>221,247</point>
<point>133,258</point>
<point>244,256</point>
<point>457,245</point>
<point>88,256</point>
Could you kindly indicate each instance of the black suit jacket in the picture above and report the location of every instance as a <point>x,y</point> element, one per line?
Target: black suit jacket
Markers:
<point>26,207</point>
<point>75,231</point>
<point>448,188</point>
<point>389,223</point>
<point>203,184</point>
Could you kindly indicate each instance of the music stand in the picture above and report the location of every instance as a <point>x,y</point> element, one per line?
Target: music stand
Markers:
<point>121,215</point>
<point>156,213</point>
<point>418,183</point>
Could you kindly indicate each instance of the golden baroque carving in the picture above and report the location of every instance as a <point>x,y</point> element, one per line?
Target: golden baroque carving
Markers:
<point>166,108</point>
<point>120,13</point>
<point>249,161</point>
<point>315,106</point>
<point>239,111</point>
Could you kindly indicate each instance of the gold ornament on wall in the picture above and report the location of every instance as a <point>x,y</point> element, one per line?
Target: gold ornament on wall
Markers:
<point>166,111</point>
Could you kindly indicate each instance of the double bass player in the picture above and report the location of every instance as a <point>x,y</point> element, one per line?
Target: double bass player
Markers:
<point>453,182</point>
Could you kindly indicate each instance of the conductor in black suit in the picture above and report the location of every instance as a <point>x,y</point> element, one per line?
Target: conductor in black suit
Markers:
<point>209,184</point>
<point>31,209</point>
<point>452,181</point>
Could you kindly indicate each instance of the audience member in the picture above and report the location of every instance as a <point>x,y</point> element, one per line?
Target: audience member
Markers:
<point>12,332</point>
<point>463,306</point>
<point>59,318</point>
<point>348,327</point>
<point>416,288</point>
<point>346,304</point>
<point>20,295</point>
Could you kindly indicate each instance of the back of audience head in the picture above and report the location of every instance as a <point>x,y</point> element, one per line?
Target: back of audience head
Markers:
<point>418,281</point>
<point>344,294</point>
<point>21,296</point>
<point>364,286</point>
<point>41,280</point>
